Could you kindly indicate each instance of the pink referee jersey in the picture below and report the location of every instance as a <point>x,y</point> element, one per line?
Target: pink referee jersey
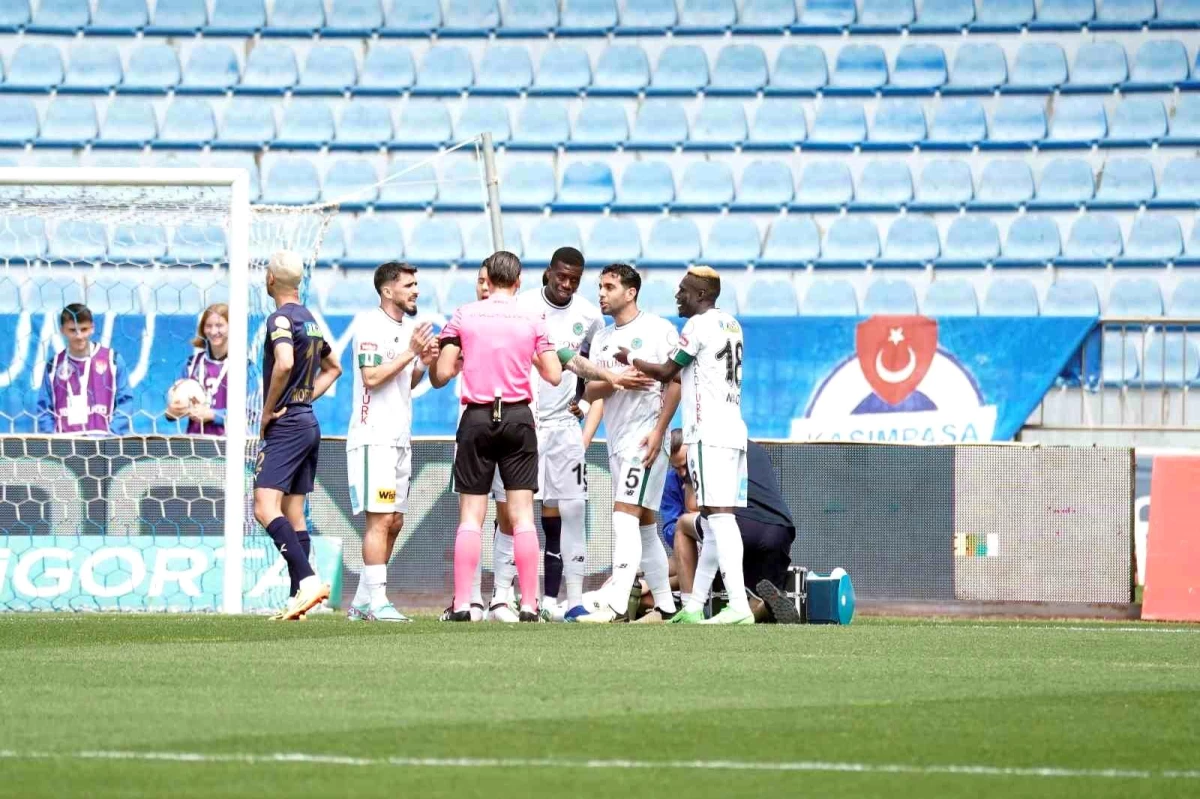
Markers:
<point>499,341</point>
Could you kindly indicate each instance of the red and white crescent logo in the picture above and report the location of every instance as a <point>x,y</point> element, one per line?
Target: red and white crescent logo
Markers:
<point>895,353</point>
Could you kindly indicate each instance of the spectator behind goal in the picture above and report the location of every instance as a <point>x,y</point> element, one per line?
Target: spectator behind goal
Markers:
<point>86,386</point>
<point>199,395</point>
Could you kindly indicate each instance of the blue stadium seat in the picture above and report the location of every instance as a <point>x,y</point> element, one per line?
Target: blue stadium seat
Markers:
<point>1065,183</point>
<point>479,241</point>
<point>898,125</point>
<point>78,240</point>
<point>483,116</point>
<point>60,16</point>
<point>22,238</point>
<point>328,69</point>
<point>979,67</point>
<point>292,181</point>
<point>542,125</point>
<point>461,187</point>
<point>306,125</point>
<point>800,70</point>
<point>445,71</point>
<point>838,126</point>
<point>587,17</point>
<point>528,17</point>
<point>1135,297</point>
<point>1185,123</point>
<point>14,16</point>
<point>682,69</point>
<point>944,16</point>
<point>859,69</point>
<point>459,292</point>
<point>586,186</point>
<point>505,70</point>
<point>435,242</point>
<point>470,18</point>
<point>706,17</point>
<point>563,69</point>
<point>890,297</point>
<point>1064,15</point>
<point>1180,184</point>
<point>829,298</point>
<point>270,69</point>
<point>241,161</point>
<point>527,186</point>
<point>1095,240</point>
<point>733,241</point>
<point>1185,300</point>
<point>647,17</point>
<point>1098,66</point>
<point>1039,67</point>
<point>919,69</point>
<point>1119,359</point>
<point>94,68</point>
<point>776,126</point>
<point>1077,121</point>
<point>198,244</point>
<point>129,122</point>
<point>765,186</point>
<point>349,295</point>
<point>645,186</point>
<point>850,241</point>
<point>1139,122</point>
<point>971,242</point>
<point>176,296</point>
<point>1071,298</point>
<point>601,125</point>
<point>1020,122</point>
<point>883,185</point>
<point>1158,66</point>
<point>422,125</point>
<point>363,126</point>
<point>824,186</point>
<point>418,18</point>
<point>188,124</point>
<point>826,15</point>
<point>770,297</point>
<point>236,18</point>
<point>210,69</point>
<point>153,69</point>
<point>1032,240</point>
<point>719,125</point>
<point>623,70</point>
<point>178,18</point>
<point>386,70</point>
<point>137,244</point>
<point>1178,13</point>
<point>952,297</point>
<point>1003,15</point>
<point>1154,241</point>
<point>1010,297</point>
<point>34,68</point>
<point>50,295</point>
<point>550,234</point>
<point>912,241</point>
<point>248,124</point>
<point>115,294</point>
<point>945,185</point>
<point>765,16</point>
<point>410,186</point>
<point>333,245</point>
<point>740,69</point>
<point>1126,182</point>
<point>614,240</point>
<point>374,240</point>
<point>884,16</point>
<point>673,241</point>
<point>793,242</point>
<point>351,182</point>
<point>657,297</point>
<point>1171,360</point>
<point>660,125</point>
<point>957,125</point>
<point>295,18</point>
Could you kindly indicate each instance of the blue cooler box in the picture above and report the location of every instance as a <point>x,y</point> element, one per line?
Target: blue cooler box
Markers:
<point>830,599</point>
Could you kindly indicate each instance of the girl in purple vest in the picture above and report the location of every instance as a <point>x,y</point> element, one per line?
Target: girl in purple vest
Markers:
<point>86,386</point>
<point>207,367</point>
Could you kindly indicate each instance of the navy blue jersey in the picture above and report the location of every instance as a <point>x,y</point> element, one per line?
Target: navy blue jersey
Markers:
<point>294,324</point>
<point>764,500</point>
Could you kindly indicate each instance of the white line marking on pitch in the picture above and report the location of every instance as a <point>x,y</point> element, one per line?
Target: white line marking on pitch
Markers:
<point>649,765</point>
<point>1059,628</point>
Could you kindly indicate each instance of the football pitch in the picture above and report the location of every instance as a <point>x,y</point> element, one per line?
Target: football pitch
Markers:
<point>195,706</point>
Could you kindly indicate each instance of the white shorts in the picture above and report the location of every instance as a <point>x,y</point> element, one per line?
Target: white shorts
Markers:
<point>562,467</point>
<point>633,484</point>
<point>378,477</point>
<point>718,474</point>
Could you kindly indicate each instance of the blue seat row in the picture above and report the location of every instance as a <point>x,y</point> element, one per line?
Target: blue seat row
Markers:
<point>584,17</point>
<point>27,238</point>
<point>564,69</point>
<point>1016,123</point>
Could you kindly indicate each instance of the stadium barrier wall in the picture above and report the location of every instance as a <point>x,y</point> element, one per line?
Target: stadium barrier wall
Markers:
<point>987,523</point>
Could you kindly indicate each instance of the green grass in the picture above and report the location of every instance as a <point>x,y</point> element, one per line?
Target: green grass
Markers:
<point>875,693</point>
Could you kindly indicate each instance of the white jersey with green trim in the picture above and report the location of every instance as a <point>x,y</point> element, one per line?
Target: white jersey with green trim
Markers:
<point>382,415</point>
<point>572,326</point>
<point>630,416</point>
<point>710,350</point>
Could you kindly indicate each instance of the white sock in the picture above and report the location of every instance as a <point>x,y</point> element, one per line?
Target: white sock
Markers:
<point>362,594</point>
<point>729,554</point>
<point>684,598</point>
<point>504,568</point>
<point>309,583</point>
<point>656,568</point>
<point>376,579</point>
<point>573,547</point>
<point>627,556</point>
<point>706,569</point>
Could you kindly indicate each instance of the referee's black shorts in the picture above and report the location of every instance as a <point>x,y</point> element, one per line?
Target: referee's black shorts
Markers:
<point>484,446</point>
<point>766,552</point>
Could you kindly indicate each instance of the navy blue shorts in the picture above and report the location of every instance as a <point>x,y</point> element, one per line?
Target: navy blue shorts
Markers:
<point>287,457</point>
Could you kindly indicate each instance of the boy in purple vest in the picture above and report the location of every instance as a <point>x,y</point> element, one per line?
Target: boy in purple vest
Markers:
<point>86,388</point>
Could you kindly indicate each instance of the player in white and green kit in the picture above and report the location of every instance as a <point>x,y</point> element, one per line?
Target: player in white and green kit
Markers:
<point>391,352</point>
<point>637,423</point>
<point>709,356</point>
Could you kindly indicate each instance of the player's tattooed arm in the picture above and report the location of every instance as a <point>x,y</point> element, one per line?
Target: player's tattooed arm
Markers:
<point>662,372</point>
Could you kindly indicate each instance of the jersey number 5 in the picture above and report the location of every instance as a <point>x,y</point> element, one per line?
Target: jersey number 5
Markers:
<point>732,355</point>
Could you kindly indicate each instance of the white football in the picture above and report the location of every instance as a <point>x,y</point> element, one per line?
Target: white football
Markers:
<point>188,391</point>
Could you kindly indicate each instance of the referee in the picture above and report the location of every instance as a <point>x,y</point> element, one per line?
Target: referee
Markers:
<point>497,341</point>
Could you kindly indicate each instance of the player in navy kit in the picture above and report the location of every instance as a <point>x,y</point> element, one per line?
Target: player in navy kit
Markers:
<point>298,367</point>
